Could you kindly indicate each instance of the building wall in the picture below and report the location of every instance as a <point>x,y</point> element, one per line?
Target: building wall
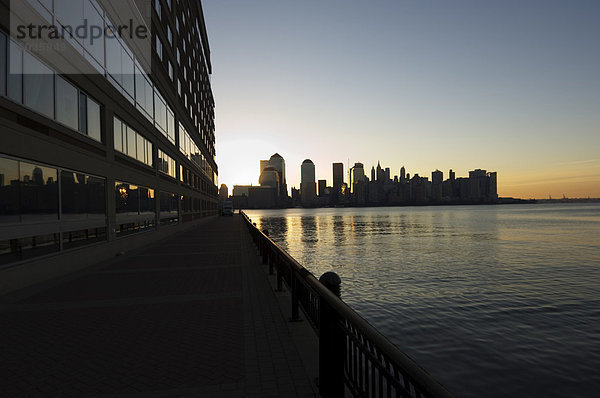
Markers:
<point>83,129</point>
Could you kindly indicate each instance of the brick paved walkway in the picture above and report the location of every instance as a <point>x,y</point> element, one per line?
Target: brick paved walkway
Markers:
<point>194,316</point>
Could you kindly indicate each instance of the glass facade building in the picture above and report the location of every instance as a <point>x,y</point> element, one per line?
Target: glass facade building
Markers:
<point>93,158</point>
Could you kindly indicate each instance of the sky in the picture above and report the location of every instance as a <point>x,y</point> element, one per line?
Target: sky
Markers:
<point>506,86</point>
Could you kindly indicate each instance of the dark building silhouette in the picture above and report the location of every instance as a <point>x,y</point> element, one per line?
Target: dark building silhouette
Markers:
<point>322,188</point>
<point>277,163</point>
<point>223,192</point>
<point>308,188</point>
<point>129,148</point>
<point>338,182</point>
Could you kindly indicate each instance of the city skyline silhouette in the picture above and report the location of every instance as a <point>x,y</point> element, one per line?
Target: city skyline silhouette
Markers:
<point>507,86</point>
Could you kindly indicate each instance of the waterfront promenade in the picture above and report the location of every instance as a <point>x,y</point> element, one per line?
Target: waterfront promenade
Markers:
<point>192,316</point>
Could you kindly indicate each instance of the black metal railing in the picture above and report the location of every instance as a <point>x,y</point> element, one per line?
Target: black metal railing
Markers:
<point>353,355</point>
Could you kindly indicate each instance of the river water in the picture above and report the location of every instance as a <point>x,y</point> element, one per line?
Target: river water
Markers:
<point>493,301</point>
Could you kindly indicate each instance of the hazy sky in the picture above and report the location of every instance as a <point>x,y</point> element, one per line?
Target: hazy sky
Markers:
<point>507,86</point>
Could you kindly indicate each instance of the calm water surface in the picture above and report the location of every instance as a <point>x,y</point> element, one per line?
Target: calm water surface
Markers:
<point>494,301</point>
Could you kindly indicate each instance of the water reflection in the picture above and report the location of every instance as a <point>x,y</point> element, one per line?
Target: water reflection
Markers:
<point>492,300</point>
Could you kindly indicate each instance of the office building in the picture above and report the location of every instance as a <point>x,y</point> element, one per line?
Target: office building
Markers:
<point>323,191</point>
<point>223,192</point>
<point>117,141</point>
<point>277,163</point>
<point>437,177</point>
<point>338,182</point>
<point>338,175</point>
<point>308,186</point>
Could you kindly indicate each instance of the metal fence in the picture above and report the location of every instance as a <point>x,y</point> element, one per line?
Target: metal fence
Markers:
<point>354,357</point>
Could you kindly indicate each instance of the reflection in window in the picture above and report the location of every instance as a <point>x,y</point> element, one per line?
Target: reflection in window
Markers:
<point>168,208</point>
<point>9,190</point>
<point>166,164</point>
<point>147,200</point>
<point>94,46</point>
<point>66,103</point>
<point>128,74</point>
<point>15,72</point>
<point>128,141</point>
<point>141,148</point>
<point>143,93</point>
<point>38,85</point>
<point>93,120</point>
<point>3,64</point>
<point>127,198</point>
<point>160,112</point>
<point>170,125</point>
<point>69,12</point>
<point>131,141</point>
<point>83,196</point>
<point>118,132</point>
<point>136,208</point>
<point>83,122</point>
<point>39,192</point>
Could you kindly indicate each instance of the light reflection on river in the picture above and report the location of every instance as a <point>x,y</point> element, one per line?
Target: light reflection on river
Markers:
<point>494,301</point>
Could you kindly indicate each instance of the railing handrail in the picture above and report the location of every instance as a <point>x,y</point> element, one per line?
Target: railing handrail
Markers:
<point>420,376</point>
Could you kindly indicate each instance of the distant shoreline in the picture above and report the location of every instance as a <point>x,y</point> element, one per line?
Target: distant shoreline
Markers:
<point>501,201</point>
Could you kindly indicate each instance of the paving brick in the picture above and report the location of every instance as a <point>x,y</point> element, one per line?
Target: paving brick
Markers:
<point>193,316</point>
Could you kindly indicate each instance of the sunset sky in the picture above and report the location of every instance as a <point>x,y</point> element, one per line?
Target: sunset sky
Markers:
<point>506,86</point>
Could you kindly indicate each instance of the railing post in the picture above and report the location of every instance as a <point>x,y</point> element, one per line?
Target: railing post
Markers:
<point>331,342</point>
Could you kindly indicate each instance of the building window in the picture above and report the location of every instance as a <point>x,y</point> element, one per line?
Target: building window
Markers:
<point>159,50</point>
<point>3,63</point>
<point>127,199</point>
<point>169,212</point>
<point>135,207</point>
<point>170,35</point>
<point>147,201</point>
<point>38,192</point>
<point>93,120</point>
<point>157,7</point>
<point>160,112</point>
<point>166,164</point>
<point>67,103</point>
<point>170,125</point>
<point>38,86</point>
<point>82,196</point>
<point>171,72</point>
<point>131,143</point>
<point>144,93</point>
<point>9,190</point>
<point>118,134</point>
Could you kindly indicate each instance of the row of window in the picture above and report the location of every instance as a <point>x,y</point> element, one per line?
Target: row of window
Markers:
<point>30,192</point>
<point>111,56</point>
<point>166,164</point>
<point>33,194</point>
<point>28,81</point>
<point>195,90</point>
<point>131,143</point>
<point>188,147</point>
